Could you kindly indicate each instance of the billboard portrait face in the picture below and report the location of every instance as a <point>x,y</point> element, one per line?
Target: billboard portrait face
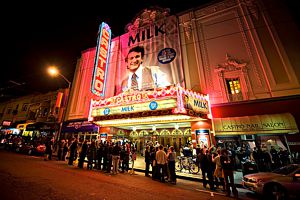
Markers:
<point>149,57</point>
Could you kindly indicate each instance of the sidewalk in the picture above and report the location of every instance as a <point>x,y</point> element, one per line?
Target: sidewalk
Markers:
<point>183,182</point>
<point>139,166</point>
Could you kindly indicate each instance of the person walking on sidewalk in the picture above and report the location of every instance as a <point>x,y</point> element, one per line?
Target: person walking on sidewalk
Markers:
<point>228,167</point>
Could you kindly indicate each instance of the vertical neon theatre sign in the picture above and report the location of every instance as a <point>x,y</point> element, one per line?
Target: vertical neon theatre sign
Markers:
<point>101,60</point>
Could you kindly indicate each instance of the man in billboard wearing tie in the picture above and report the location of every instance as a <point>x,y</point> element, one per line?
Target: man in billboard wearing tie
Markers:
<point>141,77</point>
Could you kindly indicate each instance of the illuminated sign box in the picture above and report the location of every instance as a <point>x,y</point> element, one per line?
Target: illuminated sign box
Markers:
<point>174,98</point>
<point>101,60</point>
<point>202,132</point>
<point>6,123</point>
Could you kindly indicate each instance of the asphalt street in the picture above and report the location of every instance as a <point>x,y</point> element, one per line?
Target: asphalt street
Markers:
<point>30,177</point>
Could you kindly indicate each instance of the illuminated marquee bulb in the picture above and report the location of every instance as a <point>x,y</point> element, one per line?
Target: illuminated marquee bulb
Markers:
<point>176,126</point>
<point>134,128</point>
<point>153,128</point>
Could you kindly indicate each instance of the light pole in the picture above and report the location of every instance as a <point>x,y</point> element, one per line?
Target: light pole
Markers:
<point>53,71</point>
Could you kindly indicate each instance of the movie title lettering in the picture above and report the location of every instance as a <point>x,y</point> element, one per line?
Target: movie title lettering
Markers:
<point>147,34</point>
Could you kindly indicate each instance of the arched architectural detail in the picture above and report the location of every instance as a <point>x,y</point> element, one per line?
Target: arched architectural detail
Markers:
<point>177,132</point>
<point>187,131</point>
<point>235,71</point>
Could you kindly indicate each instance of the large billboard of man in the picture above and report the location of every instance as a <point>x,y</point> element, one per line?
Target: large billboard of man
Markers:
<point>140,77</point>
<point>149,56</point>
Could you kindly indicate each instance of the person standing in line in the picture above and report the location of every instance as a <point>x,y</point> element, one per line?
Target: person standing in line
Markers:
<point>211,168</point>
<point>83,153</point>
<point>105,152</point>
<point>126,158</point>
<point>116,158</point>
<point>218,171</point>
<point>109,156</point>
<point>73,150</point>
<point>171,164</point>
<point>133,159</point>
<point>60,149</point>
<point>203,162</point>
<point>154,163</point>
<point>161,159</point>
<point>122,158</point>
<point>65,149</point>
<point>91,154</point>
<point>100,154</point>
<point>228,168</point>
<point>147,160</point>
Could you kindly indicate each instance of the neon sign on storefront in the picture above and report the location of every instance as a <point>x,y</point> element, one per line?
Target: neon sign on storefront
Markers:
<point>101,60</point>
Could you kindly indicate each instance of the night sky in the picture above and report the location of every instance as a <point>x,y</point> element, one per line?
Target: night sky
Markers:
<point>36,35</point>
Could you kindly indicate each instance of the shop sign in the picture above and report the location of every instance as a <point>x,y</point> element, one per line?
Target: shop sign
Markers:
<point>277,123</point>
<point>196,104</point>
<point>134,108</point>
<point>293,143</point>
<point>79,126</point>
<point>6,123</point>
<point>266,125</point>
<point>101,60</point>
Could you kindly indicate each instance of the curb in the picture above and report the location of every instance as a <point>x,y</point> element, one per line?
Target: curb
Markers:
<point>188,178</point>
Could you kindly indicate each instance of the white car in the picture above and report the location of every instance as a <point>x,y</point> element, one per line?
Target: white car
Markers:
<point>282,183</point>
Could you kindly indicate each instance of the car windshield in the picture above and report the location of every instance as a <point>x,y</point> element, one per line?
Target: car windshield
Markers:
<point>286,170</point>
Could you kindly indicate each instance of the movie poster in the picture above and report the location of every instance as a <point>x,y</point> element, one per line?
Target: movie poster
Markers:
<point>147,57</point>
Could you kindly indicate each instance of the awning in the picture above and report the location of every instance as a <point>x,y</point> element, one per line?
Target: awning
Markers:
<point>257,124</point>
<point>79,126</point>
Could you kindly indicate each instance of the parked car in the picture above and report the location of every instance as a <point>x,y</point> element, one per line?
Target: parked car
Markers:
<point>39,149</point>
<point>282,183</point>
<point>31,149</point>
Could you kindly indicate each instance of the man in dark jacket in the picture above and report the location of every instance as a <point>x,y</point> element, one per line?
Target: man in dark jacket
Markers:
<point>203,161</point>
<point>147,160</point>
<point>228,167</point>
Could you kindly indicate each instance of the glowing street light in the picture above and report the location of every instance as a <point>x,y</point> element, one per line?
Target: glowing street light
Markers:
<point>53,71</point>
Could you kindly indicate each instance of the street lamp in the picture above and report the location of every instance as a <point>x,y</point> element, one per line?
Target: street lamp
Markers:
<point>53,71</point>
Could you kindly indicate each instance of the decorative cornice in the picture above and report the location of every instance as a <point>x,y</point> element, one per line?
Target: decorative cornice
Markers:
<point>147,17</point>
<point>230,64</point>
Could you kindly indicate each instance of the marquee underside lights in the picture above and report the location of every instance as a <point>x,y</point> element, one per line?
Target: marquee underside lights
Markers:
<point>148,120</point>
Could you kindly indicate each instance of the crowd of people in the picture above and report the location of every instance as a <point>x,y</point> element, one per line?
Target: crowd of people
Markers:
<point>217,169</point>
<point>114,157</point>
<point>217,165</point>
